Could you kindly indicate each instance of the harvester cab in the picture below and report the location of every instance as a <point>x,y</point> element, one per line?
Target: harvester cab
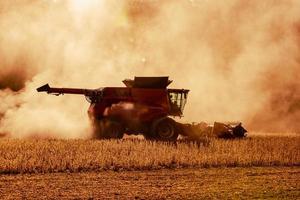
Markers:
<point>178,99</point>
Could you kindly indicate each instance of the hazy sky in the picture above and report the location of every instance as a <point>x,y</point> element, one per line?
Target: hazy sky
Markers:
<point>240,59</point>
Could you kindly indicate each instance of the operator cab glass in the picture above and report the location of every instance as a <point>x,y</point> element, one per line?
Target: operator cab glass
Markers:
<point>178,100</point>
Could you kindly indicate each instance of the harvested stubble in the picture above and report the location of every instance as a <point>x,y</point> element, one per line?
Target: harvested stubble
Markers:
<point>31,156</point>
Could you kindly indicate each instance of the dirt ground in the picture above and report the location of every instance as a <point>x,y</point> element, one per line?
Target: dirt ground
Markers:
<point>214,183</point>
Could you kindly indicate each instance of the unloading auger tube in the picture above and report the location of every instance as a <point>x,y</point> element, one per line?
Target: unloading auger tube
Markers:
<point>92,95</point>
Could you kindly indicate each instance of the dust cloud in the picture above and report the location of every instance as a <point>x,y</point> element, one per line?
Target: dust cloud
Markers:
<point>241,59</point>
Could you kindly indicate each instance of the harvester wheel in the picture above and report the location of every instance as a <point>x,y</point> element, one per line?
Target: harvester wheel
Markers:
<point>108,129</point>
<point>164,130</point>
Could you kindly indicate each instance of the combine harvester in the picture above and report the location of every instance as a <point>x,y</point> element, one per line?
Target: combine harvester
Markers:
<point>145,106</point>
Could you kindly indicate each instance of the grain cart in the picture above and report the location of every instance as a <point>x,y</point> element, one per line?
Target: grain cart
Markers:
<point>144,106</point>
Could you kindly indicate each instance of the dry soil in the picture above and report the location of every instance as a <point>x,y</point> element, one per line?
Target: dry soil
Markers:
<point>213,183</point>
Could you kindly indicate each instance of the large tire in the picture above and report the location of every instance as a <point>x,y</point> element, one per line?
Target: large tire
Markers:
<point>164,129</point>
<point>108,129</point>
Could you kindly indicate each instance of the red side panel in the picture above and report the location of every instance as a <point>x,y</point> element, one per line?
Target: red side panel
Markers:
<point>132,104</point>
<point>151,97</point>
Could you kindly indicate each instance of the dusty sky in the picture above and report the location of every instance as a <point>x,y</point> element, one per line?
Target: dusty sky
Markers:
<point>240,59</point>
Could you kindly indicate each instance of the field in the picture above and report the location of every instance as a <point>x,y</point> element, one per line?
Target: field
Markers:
<point>254,167</point>
<point>212,183</point>
<point>31,156</point>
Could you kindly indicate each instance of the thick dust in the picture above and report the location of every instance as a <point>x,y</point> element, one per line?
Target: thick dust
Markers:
<point>241,59</point>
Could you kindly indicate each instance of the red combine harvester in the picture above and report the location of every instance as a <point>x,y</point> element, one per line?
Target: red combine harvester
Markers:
<point>145,106</point>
